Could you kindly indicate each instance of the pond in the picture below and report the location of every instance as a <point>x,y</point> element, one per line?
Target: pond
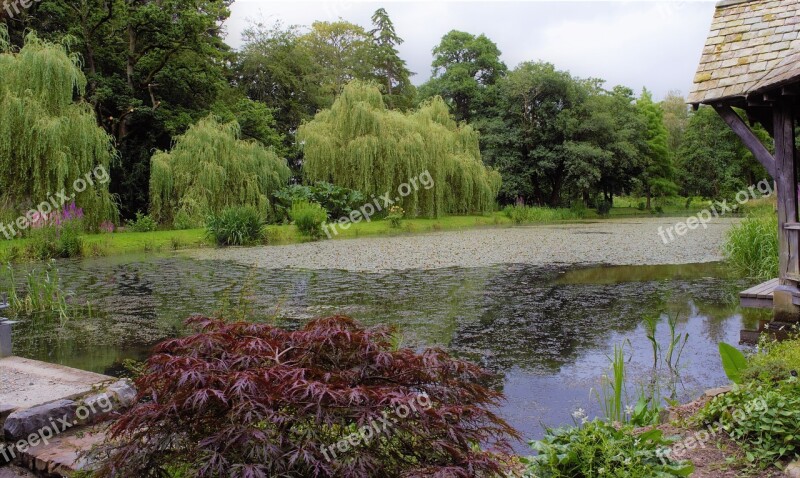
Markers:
<point>546,332</point>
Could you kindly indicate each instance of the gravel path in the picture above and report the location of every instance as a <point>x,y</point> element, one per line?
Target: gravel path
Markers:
<point>616,242</point>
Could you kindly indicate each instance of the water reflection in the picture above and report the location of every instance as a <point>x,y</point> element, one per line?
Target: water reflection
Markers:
<point>547,331</point>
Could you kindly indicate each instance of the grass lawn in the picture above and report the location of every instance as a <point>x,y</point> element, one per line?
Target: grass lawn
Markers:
<point>161,241</point>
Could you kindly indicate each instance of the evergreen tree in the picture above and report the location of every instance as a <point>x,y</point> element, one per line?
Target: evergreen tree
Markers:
<point>391,71</point>
<point>659,174</point>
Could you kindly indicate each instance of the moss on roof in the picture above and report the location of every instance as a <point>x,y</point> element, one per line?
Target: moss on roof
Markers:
<point>753,46</point>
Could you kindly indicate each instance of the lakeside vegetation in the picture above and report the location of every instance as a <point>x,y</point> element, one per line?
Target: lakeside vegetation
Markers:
<point>138,239</point>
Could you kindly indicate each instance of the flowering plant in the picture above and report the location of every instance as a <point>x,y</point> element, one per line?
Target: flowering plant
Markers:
<point>395,216</point>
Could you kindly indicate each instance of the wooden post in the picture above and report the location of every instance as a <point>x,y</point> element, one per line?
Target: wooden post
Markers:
<point>5,339</point>
<point>788,239</point>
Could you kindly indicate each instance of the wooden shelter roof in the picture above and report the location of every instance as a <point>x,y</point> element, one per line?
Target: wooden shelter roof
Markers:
<point>753,46</point>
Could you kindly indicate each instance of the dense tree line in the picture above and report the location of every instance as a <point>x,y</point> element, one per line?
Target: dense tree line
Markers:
<point>155,68</point>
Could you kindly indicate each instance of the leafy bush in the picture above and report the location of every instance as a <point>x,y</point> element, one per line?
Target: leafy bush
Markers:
<point>775,361</point>
<point>763,419</point>
<point>641,206</point>
<point>55,241</point>
<point>604,208</point>
<point>309,218</point>
<point>395,216</point>
<point>142,223</point>
<point>338,201</point>
<point>526,214</point>
<point>235,226</point>
<point>599,449</point>
<point>249,399</point>
<point>752,246</point>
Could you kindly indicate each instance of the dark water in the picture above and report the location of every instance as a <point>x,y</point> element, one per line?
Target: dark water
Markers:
<point>547,332</point>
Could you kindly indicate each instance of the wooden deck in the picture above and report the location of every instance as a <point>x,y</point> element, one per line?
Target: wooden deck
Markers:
<point>760,296</point>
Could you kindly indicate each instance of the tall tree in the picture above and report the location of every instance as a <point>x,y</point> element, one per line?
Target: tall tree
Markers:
<point>276,69</point>
<point>391,70</point>
<point>48,141</point>
<point>464,66</point>
<point>210,169</point>
<point>153,67</point>
<point>659,174</point>
<point>343,52</point>
<point>713,162</point>
<point>676,120</point>
<point>360,144</point>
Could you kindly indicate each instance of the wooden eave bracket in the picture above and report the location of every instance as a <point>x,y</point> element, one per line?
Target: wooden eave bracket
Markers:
<point>747,136</point>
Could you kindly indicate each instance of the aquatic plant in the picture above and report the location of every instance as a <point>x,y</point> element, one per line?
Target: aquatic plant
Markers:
<point>752,246</point>
<point>41,295</point>
<point>360,144</point>
<point>258,400</point>
<point>209,169</point>
<point>612,392</point>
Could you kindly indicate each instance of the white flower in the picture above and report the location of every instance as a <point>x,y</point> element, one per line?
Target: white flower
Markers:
<point>628,410</point>
<point>579,414</point>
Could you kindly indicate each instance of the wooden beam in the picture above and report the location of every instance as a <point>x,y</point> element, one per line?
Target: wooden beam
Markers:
<point>747,136</point>
<point>786,183</point>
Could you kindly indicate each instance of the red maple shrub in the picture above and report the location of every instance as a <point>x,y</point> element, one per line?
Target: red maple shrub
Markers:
<point>330,400</point>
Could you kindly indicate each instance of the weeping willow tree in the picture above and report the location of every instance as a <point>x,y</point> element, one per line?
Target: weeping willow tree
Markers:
<point>208,169</point>
<point>49,143</point>
<point>358,143</point>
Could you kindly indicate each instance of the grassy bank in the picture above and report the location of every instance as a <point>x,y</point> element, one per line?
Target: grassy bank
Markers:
<point>98,245</point>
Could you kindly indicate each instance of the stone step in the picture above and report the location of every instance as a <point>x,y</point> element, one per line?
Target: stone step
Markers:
<point>12,471</point>
<point>64,454</point>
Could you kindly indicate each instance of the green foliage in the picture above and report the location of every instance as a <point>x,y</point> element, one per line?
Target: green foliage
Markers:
<point>527,214</point>
<point>395,216</point>
<point>713,162</point>
<point>142,223</point>
<point>599,449</point>
<point>55,242</point>
<point>752,246</point>
<point>39,294</point>
<point>774,362</point>
<point>658,171</point>
<point>465,66</point>
<point>612,393</point>
<point>235,226</point>
<point>763,418</point>
<point>360,144</point>
<point>338,201</point>
<point>210,169</point>
<point>309,218</point>
<point>604,208</point>
<point>47,140</point>
<point>733,362</point>
<point>555,138</point>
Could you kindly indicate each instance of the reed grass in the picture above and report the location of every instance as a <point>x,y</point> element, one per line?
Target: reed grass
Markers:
<point>752,246</point>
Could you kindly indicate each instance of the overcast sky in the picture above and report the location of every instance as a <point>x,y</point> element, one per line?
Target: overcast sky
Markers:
<point>639,44</point>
